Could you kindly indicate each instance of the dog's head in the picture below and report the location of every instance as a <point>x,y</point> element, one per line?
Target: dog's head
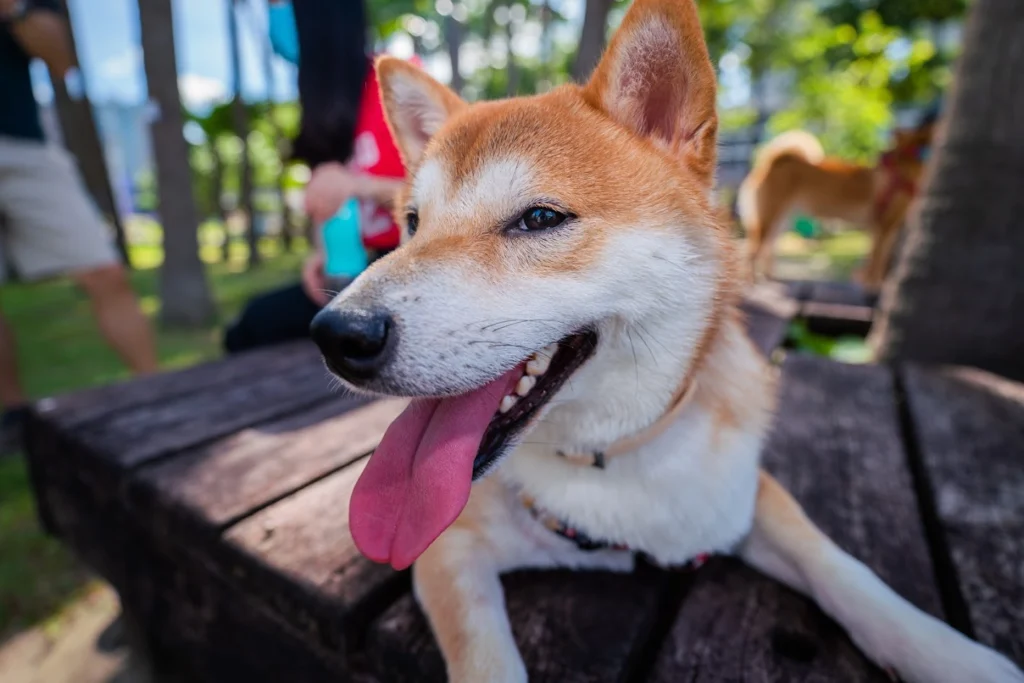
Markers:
<point>534,226</point>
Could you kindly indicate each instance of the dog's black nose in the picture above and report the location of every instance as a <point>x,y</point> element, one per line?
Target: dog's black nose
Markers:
<point>354,342</point>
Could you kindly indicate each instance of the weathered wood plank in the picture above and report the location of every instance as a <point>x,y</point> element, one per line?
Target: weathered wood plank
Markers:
<point>224,481</point>
<point>829,292</point>
<point>195,619</point>
<point>768,308</point>
<point>74,410</point>
<point>582,626</point>
<point>837,447</point>
<point>300,554</point>
<point>970,433</point>
<point>139,433</point>
<point>836,320</point>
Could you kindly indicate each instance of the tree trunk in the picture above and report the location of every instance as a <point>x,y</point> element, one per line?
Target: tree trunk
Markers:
<point>184,291</point>
<point>592,38</point>
<point>267,51</point>
<point>217,195</point>
<point>83,141</point>
<point>957,295</point>
<point>544,73</point>
<point>512,68</point>
<point>454,33</point>
<point>240,118</point>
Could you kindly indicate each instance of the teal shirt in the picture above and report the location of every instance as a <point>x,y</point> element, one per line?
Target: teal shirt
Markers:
<point>284,37</point>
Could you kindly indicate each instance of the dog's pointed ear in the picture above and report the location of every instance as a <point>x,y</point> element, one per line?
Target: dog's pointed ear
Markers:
<point>656,79</point>
<point>415,104</point>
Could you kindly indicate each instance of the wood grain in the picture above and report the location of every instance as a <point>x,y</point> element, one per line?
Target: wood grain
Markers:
<point>223,481</point>
<point>836,446</point>
<point>142,432</point>
<point>970,430</point>
<point>569,626</point>
<point>300,554</point>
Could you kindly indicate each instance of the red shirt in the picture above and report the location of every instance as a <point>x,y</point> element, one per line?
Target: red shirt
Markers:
<point>374,152</point>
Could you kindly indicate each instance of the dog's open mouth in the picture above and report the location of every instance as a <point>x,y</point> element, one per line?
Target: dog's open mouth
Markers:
<point>543,375</point>
<point>418,480</point>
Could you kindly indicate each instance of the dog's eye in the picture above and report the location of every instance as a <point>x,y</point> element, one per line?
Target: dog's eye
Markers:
<point>412,221</point>
<point>541,218</point>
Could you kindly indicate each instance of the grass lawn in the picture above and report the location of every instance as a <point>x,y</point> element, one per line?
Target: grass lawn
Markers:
<point>60,350</point>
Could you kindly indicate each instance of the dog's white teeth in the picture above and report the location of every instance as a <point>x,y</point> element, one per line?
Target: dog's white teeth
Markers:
<point>538,365</point>
<point>507,403</point>
<point>525,385</point>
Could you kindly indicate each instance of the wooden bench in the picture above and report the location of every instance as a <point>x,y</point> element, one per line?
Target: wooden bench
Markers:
<point>215,501</point>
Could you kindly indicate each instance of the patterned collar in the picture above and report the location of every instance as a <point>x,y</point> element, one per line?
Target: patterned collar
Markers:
<point>582,540</point>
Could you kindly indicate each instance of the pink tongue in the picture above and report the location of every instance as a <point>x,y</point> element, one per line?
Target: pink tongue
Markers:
<point>417,481</point>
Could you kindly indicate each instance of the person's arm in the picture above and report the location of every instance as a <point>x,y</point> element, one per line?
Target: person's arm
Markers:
<point>378,188</point>
<point>40,31</point>
<point>332,185</point>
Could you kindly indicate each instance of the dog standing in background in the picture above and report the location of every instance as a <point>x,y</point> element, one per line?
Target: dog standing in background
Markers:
<point>792,175</point>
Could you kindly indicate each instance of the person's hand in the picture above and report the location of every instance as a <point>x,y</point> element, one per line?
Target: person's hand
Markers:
<point>314,281</point>
<point>330,186</point>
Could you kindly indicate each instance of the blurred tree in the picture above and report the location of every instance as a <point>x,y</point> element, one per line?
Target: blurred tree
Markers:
<point>184,292</point>
<point>592,38</point>
<point>240,119</point>
<point>82,139</point>
<point>957,296</point>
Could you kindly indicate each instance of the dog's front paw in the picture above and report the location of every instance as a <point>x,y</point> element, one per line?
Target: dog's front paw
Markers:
<point>495,666</point>
<point>933,652</point>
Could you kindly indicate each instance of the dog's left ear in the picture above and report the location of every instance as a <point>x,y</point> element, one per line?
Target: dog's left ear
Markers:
<point>415,104</point>
<point>656,79</point>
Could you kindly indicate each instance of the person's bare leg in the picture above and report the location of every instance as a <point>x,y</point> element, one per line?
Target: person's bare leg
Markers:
<point>12,394</point>
<point>119,317</point>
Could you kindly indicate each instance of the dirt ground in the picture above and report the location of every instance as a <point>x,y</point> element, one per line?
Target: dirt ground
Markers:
<point>83,644</point>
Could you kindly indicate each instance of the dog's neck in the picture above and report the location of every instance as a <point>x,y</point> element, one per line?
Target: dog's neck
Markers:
<point>639,372</point>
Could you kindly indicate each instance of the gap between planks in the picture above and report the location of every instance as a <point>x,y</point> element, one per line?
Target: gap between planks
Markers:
<point>954,605</point>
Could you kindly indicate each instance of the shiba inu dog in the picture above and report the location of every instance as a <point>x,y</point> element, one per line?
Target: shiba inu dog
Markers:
<point>793,174</point>
<point>562,314</point>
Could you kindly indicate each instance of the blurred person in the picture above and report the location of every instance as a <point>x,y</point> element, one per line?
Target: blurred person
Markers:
<point>356,166</point>
<point>49,225</point>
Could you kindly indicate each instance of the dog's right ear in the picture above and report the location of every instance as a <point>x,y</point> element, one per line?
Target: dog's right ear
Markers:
<point>415,104</point>
<point>656,79</point>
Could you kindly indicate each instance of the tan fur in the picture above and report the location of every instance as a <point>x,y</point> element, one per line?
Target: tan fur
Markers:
<point>790,179</point>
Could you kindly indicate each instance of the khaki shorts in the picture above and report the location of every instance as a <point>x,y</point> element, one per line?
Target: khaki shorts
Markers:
<point>48,224</point>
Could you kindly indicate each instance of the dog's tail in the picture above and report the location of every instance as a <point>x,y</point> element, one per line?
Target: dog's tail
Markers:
<point>796,143</point>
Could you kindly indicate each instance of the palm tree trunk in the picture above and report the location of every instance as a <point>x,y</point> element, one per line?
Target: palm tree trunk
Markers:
<point>592,38</point>
<point>545,71</point>
<point>512,73</point>
<point>184,291</point>
<point>83,141</point>
<point>240,118</point>
<point>454,32</point>
<point>957,295</point>
<point>217,195</point>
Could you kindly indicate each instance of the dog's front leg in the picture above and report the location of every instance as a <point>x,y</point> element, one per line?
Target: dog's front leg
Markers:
<point>786,545</point>
<point>456,582</point>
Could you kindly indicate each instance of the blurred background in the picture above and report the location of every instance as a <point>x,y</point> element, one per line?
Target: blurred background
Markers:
<point>850,71</point>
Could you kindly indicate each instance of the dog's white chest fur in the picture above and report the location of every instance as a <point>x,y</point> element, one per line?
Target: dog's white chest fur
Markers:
<point>672,500</point>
